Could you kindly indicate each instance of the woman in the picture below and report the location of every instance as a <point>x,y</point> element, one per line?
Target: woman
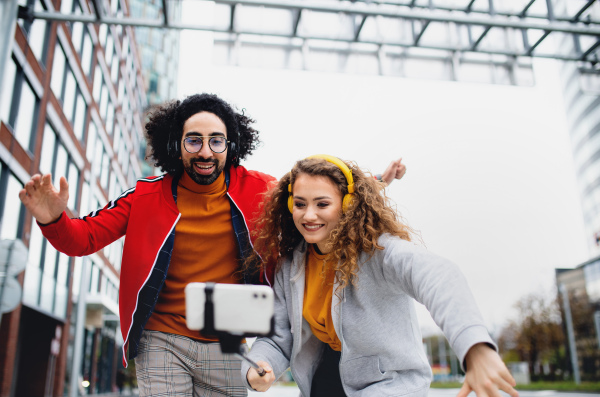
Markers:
<point>346,278</point>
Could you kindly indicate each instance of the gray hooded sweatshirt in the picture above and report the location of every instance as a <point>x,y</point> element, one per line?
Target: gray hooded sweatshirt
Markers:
<point>382,348</point>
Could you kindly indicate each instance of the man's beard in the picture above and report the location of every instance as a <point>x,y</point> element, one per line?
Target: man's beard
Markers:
<point>204,179</point>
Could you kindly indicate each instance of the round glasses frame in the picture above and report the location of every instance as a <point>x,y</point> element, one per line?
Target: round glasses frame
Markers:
<point>211,141</point>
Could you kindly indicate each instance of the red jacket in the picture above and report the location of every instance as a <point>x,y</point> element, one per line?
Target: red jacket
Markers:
<point>146,215</point>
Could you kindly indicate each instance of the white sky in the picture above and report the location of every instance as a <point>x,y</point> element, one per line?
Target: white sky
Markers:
<point>490,182</point>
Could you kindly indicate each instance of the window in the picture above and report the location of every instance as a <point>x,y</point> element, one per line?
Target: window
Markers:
<point>62,284</point>
<point>37,32</point>
<point>91,141</point>
<point>104,170</point>
<point>125,45</point>
<point>80,114</point>
<point>103,102</point>
<point>12,207</point>
<point>102,34</point>
<point>58,71</point>
<point>73,178</point>
<point>48,278</point>
<point>97,92</point>
<point>66,6</point>
<point>153,89</point>
<point>161,64</point>
<point>24,116</point>
<point>48,149</point>
<point>7,89</point>
<point>121,90</point>
<point>19,104</point>
<point>109,50</point>
<point>69,94</point>
<point>114,69</point>
<point>33,274</point>
<point>74,105</point>
<point>77,35</point>
<point>86,53</point>
<point>117,143</point>
<point>56,160</point>
<point>110,115</point>
<point>94,279</point>
<point>85,196</point>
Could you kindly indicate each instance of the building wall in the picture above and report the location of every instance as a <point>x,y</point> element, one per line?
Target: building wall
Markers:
<point>581,286</point>
<point>159,50</point>
<point>72,103</point>
<point>582,104</point>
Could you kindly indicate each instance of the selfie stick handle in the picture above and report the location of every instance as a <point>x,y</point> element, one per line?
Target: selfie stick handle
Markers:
<point>261,371</point>
<point>229,343</point>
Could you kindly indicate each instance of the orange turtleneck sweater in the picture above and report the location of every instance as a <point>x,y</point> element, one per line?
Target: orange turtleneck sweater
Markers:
<point>318,293</point>
<point>204,250</point>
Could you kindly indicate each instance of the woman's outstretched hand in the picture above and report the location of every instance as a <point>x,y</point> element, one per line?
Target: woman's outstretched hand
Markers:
<point>486,374</point>
<point>395,170</point>
<point>261,383</point>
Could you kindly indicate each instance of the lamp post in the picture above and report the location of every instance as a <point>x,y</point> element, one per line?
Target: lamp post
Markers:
<point>8,21</point>
<point>13,260</point>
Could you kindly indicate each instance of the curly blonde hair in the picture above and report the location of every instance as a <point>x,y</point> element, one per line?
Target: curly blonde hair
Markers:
<point>369,216</point>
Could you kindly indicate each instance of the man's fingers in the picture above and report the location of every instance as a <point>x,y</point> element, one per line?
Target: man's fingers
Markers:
<point>46,180</point>
<point>29,188</point>
<point>23,195</point>
<point>64,188</point>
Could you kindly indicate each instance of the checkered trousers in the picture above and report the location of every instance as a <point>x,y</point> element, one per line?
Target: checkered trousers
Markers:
<point>173,365</point>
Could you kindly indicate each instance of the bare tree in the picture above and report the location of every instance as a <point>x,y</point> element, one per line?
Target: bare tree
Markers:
<point>536,336</point>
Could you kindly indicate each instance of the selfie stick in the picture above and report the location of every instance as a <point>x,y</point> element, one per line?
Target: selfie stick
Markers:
<point>261,371</point>
<point>229,343</point>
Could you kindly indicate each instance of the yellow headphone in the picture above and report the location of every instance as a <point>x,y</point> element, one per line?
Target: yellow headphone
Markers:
<point>347,200</point>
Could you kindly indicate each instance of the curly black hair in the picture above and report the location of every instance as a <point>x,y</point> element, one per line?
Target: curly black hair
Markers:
<point>164,130</point>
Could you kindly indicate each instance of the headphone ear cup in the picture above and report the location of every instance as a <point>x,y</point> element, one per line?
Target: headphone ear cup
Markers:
<point>346,202</point>
<point>291,203</point>
<point>172,147</point>
<point>232,153</point>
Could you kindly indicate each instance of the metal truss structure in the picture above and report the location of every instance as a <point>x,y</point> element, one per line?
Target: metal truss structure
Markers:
<point>386,34</point>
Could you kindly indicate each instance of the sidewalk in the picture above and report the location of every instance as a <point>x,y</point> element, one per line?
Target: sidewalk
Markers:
<point>275,391</point>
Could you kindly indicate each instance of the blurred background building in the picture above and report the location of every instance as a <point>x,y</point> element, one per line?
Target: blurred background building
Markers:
<point>579,300</point>
<point>77,75</point>
<point>159,50</point>
<point>72,102</point>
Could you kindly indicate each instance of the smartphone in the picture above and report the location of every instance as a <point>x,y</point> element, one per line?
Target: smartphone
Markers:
<point>238,309</point>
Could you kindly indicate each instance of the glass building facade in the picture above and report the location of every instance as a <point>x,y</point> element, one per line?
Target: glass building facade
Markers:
<point>581,88</point>
<point>159,50</point>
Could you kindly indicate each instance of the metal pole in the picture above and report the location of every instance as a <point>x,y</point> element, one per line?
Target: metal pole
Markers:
<point>81,303</point>
<point>8,21</point>
<point>597,323</point>
<point>570,332</point>
<point>442,351</point>
<point>79,326</point>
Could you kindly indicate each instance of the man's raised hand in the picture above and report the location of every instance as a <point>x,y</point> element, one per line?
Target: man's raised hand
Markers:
<point>42,200</point>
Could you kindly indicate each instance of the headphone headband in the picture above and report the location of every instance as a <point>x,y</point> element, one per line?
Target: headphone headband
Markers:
<point>341,165</point>
<point>347,200</point>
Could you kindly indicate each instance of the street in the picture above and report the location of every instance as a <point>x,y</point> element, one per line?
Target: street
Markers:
<point>290,391</point>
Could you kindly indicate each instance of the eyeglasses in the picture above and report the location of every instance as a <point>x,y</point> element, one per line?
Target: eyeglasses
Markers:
<point>193,144</point>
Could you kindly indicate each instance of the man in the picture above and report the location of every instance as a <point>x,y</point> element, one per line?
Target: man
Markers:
<point>191,224</point>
